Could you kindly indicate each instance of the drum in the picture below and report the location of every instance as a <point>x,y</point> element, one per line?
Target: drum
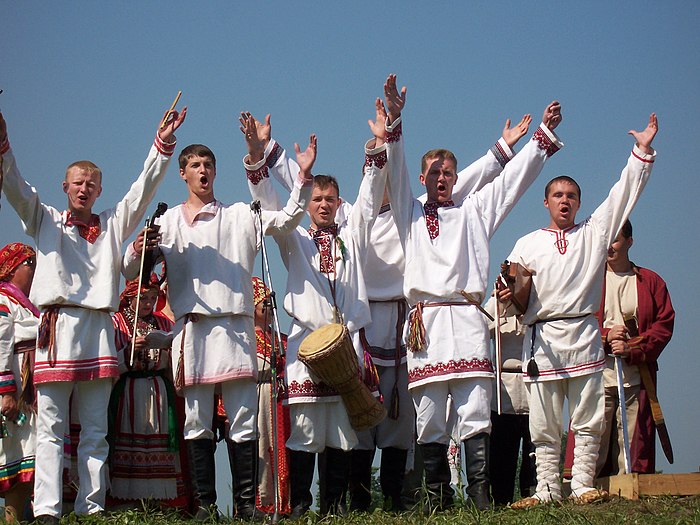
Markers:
<point>330,356</point>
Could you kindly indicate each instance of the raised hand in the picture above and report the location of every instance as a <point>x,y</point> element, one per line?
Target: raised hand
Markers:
<point>173,120</point>
<point>257,135</point>
<point>514,134</point>
<point>378,126</point>
<point>552,115</point>
<point>306,159</point>
<point>645,137</point>
<point>395,101</point>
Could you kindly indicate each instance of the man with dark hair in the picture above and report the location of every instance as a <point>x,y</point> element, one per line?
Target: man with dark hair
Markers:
<point>326,284</point>
<point>209,249</point>
<point>562,350</point>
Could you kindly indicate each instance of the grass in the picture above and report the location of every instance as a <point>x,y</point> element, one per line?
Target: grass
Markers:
<point>657,511</point>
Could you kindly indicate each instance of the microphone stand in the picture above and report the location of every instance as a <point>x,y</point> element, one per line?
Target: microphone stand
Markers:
<point>276,349</point>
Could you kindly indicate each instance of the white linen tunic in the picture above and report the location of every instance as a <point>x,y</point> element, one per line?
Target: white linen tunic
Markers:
<point>210,266</point>
<point>457,341</point>
<point>81,277</point>
<point>567,281</point>
<point>308,299</point>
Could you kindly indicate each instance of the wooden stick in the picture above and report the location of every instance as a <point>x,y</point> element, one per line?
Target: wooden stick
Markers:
<point>165,118</point>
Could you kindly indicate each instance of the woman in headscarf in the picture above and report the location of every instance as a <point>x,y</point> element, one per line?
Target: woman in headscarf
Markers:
<point>19,320</point>
<point>145,423</point>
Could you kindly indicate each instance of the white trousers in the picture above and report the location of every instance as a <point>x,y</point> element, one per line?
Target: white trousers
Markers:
<point>471,398</point>
<point>396,433</point>
<point>586,411</point>
<point>53,401</point>
<point>240,401</point>
<point>316,426</point>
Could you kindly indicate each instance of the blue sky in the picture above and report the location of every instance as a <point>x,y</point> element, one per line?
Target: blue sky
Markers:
<point>91,80</point>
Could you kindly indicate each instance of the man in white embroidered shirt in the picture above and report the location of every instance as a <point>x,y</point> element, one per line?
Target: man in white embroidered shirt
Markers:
<point>563,354</point>
<point>447,261</point>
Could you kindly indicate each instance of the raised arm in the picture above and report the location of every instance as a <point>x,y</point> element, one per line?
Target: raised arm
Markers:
<point>484,170</point>
<point>499,197</point>
<point>20,194</point>
<point>371,193</point>
<point>398,184</point>
<point>131,210</point>
<point>285,220</point>
<point>616,208</point>
<point>265,155</point>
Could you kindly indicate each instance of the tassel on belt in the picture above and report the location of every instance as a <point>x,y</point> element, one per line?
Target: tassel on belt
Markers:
<point>416,328</point>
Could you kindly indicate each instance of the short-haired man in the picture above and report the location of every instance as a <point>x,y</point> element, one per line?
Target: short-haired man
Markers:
<point>209,249</point>
<point>562,351</point>
<point>326,284</point>
<point>78,258</point>
<point>447,259</point>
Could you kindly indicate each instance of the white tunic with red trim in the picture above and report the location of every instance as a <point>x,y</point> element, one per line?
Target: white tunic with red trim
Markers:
<point>457,338</point>
<point>385,263</point>
<point>210,266</point>
<point>568,267</point>
<point>309,300</point>
<point>79,276</point>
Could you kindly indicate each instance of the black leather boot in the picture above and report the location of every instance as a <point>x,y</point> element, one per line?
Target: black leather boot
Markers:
<point>202,471</point>
<point>243,458</point>
<point>437,476</point>
<point>361,480</point>
<point>336,471</point>
<point>476,452</point>
<point>391,474</point>
<point>301,471</point>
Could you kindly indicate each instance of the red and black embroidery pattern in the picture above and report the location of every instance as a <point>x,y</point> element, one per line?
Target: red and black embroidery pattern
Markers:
<point>545,142</point>
<point>90,231</point>
<point>451,367</point>
<point>431,216</point>
<point>309,389</point>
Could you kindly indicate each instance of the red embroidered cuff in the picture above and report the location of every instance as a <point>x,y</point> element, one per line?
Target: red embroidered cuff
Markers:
<point>639,157</point>
<point>544,142</point>
<point>164,148</point>
<point>255,176</point>
<point>376,159</point>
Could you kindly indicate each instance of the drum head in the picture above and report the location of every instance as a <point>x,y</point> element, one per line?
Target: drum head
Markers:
<point>321,339</point>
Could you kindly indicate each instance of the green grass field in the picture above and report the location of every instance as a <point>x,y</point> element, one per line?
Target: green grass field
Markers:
<point>663,510</point>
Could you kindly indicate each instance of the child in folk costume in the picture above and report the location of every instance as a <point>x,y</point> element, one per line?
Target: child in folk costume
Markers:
<point>19,320</point>
<point>147,457</point>
<point>563,355</point>
<point>263,336</point>
<point>326,284</point>
<point>209,249</point>
<point>447,259</point>
<point>78,258</point>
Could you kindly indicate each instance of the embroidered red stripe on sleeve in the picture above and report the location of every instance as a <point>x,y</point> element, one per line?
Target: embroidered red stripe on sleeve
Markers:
<point>164,148</point>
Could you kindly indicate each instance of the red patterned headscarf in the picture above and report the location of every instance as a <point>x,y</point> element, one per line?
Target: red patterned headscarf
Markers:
<point>260,291</point>
<point>132,288</point>
<point>11,256</point>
